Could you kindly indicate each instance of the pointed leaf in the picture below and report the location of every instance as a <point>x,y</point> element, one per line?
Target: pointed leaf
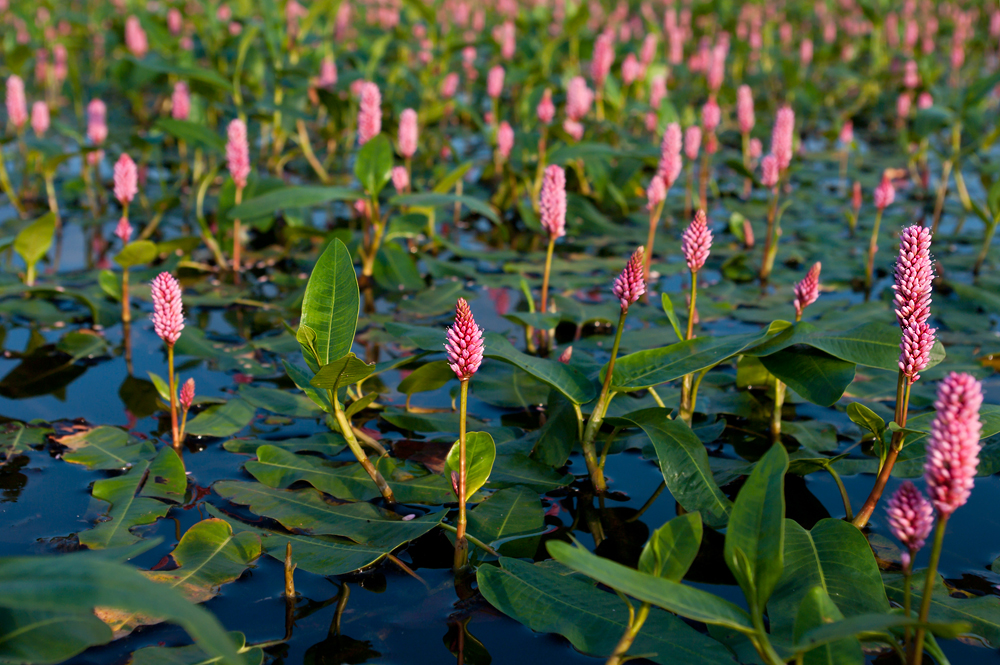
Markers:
<point>480,453</point>
<point>331,304</point>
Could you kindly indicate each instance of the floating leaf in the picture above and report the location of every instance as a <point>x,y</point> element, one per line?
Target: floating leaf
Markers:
<point>289,197</point>
<point>105,448</point>
<point>222,419</point>
<point>566,379</point>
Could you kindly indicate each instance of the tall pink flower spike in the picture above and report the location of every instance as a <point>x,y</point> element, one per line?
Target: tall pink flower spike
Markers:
<point>180,102</point>
<point>40,118</point>
<point>369,113</point>
<point>604,58</point>
<point>17,106</point>
<point>696,242</point>
<point>629,285</point>
<point>771,171</point>
<point>135,37</point>
<point>692,142</point>
<point>711,115</point>
<point>505,139</point>
<point>546,109</point>
<point>238,152</point>
<point>494,82</point>
<point>578,98</point>
<point>911,517</point>
<point>914,275</point>
<point>464,343</point>
<point>552,201</point>
<point>783,137</point>
<point>408,133</point>
<point>126,180</point>
<point>400,179</point>
<point>744,109</point>
<point>953,445</point>
<point>449,86</point>
<point>885,193</point>
<point>671,163</point>
<point>807,290</point>
<point>656,193</point>
<point>97,121</point>
<point>187,394</point>
<point>168,315</point>
<point>123,230</point>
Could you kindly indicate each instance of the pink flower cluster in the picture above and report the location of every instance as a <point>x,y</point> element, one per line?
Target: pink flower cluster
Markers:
<point>914,275</point>
<point>187,394</point>
<point>692,142</point>
<point>604,58</point>
<point>97,121</point>
<point>123,230</point>
<point>696,242</point>
<point>911,517</point>
<point>771,171</point>
<point>505,139</point>
<point>629,285</point>
<point>168,315</point>
<point>578,98</point>
<point>656,193</point>
<point>408,133</point>
<point>807,291</point>
<point>953,445</point>
<point>238,152</point>
<point>671,164</point>
<point>369,113</point>
<point>711,116</point>
<point>552,201</point>
<point>180,102</point>
<point>546,109</point>
<point>783,137</point>
<point>40,118</point>
<point>135,37</point>
<point>885,193</point>
<point>17,105</point>
<point>126,180</point>
<point>464,343</point>
<point>400,179</point>
<point>327,73</point>
<point>494,82</point>
<point>744,109</point>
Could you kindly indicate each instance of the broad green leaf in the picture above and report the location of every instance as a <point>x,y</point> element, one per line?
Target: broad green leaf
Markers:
<point>331,305</point>
<point>195,134</point>
<point>867,419</point>
<point>104,448</point>
<point>514,469</point>
<point>566,379</point>
<point>757,528</point>
<point>81,583</point>
<point>681,599</point>
<point>39,637</point>
<point>222,419</point>
<point>834,556</point>
<point>34,241</point>
<point>672,548</point>
<point>818,609</point>
<point>508,519</point>
<point>136,498</point>
<point>815,375</point>
<point>301,378</point>
<point>342,372</point>
<point>875,625</point>
<point>192,654</point>
<point>305,511</point>
<point>289,197</point>
<point>280,401</point>
<point>981,613</point>
<point>327,443</point>
<point>547,599</point>
<point>684,463</point>
<point>427,377</point>
<point>373,165</point>
<point>111,284</point>
<point>136,253</point>
<point>183,72</point>
<point>19,439</point>
<point>480,453</point>
<point>435,200</point>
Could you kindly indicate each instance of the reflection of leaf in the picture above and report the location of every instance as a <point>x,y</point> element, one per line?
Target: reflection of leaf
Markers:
<point>40,373</point>
<point>338,649</point>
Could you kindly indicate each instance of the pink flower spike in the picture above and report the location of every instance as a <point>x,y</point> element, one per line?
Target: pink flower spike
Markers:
<point>505,139</point>
<point>573,128</point>
<point>756,149</point>
<point>494,82</point>
<point>180,102</point>
<point>631,69</point>
<point>711,116</point>
<point>168,315</point>
<point>671,163</point>
<point>464,343</point>
<point>656,193</point>
<point>915,350</point>
<point>187,394</point>
<point>552,201</point>
<point>856,196</point>
<point>783,137</point>
<point>135,37</point>
<point>629,285</point>
<point>847,133</point>
<point>604,58</point>
<point>566,355</point>
<point>449,86</point>
<point>97,121</point>
<point>953,445</point>
<point>17,106</point>
<point>369,113</point>
<point>400,179</point>
<point>123,230</point>
<point>744,109</point>
<point>40,118</point>
<point>911,516</point>
<point>238,152</point>
<point>126,180</point>
<point>408,133</point>
<point>696,242</point>
<point>807,290</point>
<point>546,109</point>
<point>578,99</point>
<point>885,193</point>
<point>692,142</point>
<point>914,276</point>
<point>327,73</point>
<point>925,101</point>
<point>771,171</point>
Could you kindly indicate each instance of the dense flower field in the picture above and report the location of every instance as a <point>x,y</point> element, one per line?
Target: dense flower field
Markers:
<point>404,331</point>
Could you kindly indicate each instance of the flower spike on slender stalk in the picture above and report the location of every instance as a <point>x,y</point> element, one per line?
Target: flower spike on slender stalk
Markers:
<point>552,204</point>
<point>408,134</point>
<point>911,517</point>
<point>40,118</point>
<point>627,288</point>
<point>238,160</point>
<point>186,400</point>
<point>807,291</point>
<point>369,113</point>
<point>464,346</point>
<point>656,194</point>
<point>885,194</point>
<point>950,470</point>
<point>168,322</point>
<point>696,243</point>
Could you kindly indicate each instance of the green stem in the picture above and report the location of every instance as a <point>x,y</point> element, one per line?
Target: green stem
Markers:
<point>687,408</point>
<point>597,415</point>
<point>359,454</point>
<point>126,306</point>
<point>461,542</point>
<point>771,240</point>
<point>917,652</point>
<point>654,221</point>
<point>472,539</point>
<point>872,248</point>
<point>895,446</point>
<point>618,656</point>
<point>987,241</point>
<point>543,308</point>
<point>779,402</point>
<point>9,189</point>
<point>172,384</point>
<point>848,513</point>
<point>908,595</point>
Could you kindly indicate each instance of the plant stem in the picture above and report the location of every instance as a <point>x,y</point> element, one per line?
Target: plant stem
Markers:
<point>917,650</point>
<point>687,409</point>
<point>654,221</point>
<point>942,192</point>
<point>50,192</point>
<point>987,241</point>
<point>9,189</point>
<point>625,643</point>
<point>543,308</point>
<point>771,239</point>
<point>895,445</point>
<point>872,248</point>
<point>352,443</point>
<point>126,306</point>
<point>472,539</point>
<point>308,152</point>
<point>848,513</point>
<point>779,402</point>
<point>649,502</point>
<point>597,415</point>
<point>908,595</point>
<point>237,229</point>
<point>172,384</point>
<point>461,542</point>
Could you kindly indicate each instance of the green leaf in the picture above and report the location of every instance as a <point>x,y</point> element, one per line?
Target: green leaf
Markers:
<point>436,200</point>
<point>981,613</point>
<point>287,198</point>
<point>517,469</point>
<point>867,419</point>
<point>427,377</point>
<point>815,375</point>
<point>672,548</point>
<point>668,309</point>
<point>818,609</point>
<point>327,443</point>
<point>111,284</point>
<point>34,240</point>
<point>301,379</point>
<point>373,166</point>
<point>136,498</point>
<point>834,556</point>
<point>546,599</point>
<point>81,582</point>
<point>480,453</point>
<point>192,654</point>
<point>280,401</point>
<point>687,601</point>
<point>566,379</point>
<point>511,519</point>
<point>136,253</point>
<point>195,134</point>
<point>105,448</point>
<point>34,636</point>
<point>342,372</point>
<point>305,511</point>
<point>222,420</point>
<point>757,528</point>
<point>331,305</point>
<point>683,462</point>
